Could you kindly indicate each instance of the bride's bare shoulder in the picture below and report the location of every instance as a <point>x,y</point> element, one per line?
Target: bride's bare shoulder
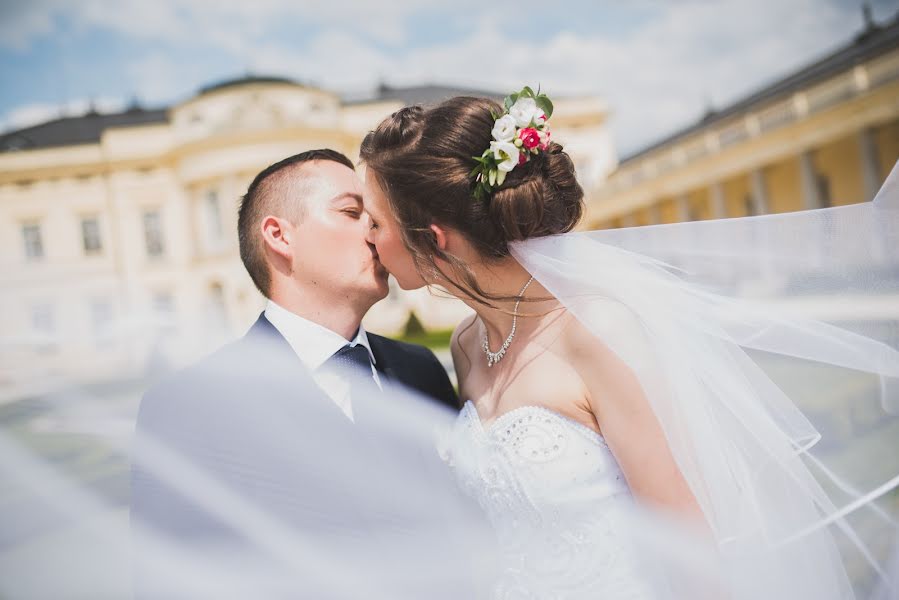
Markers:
<point>598,320</point>
<point>605,339</point>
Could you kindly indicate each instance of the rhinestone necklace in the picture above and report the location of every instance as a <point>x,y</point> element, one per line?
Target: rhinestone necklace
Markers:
<point>495,357</point>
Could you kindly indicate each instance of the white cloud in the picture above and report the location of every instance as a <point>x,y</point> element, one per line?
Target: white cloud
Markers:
<point>40,112</point>
<point>22,22</point>
<point>231,25</point>
<point>657,76</point>
<point>158,78</point>
<point>30,114</point>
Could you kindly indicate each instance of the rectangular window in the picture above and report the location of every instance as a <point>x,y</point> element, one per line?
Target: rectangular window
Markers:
<point>90,235</point>
<point>34,245</point>
<point>153,233</point>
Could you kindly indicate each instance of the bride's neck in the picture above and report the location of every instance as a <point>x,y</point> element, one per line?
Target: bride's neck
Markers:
<point>503,279</point>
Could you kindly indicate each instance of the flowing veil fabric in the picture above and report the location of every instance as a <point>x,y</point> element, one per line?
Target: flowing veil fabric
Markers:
<point>768,349</point>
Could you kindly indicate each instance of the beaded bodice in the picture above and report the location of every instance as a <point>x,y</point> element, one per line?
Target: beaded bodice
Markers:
<point>556,497</point>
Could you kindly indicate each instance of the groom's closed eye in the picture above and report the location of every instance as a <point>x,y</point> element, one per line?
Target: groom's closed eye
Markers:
<point>348,204</point>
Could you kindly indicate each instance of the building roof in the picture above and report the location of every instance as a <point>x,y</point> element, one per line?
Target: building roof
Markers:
<point>248,79</point>
<point>422,94</point>
<point>874,41</point>
<point>85,129</point>
<point>88,128</point>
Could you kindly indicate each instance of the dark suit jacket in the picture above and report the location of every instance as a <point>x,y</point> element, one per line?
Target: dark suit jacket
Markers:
<point>243,448</point>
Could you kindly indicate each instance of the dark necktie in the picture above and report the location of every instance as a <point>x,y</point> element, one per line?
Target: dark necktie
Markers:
<point>354,363</point>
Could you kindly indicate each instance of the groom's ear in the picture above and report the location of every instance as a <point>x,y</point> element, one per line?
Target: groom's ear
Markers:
<point>276,236</point>
<point>439,236</point>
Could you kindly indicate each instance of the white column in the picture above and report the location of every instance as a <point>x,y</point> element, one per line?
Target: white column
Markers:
<point>759,192</point>
<point>719,205</point>
<point>870,166</point>
<point>811,194</point>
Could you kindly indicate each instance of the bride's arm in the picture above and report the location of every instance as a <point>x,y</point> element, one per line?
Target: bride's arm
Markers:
<point>629,425</point>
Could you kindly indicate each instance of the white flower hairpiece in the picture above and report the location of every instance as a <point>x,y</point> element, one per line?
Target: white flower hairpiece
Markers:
<point>521,132</point>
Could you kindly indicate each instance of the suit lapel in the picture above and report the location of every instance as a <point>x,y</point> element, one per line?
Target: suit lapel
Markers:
<point>274,351</point>
<point>382,362</point>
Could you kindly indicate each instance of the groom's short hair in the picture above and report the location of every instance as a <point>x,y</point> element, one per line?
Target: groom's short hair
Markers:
<point>268,194</point>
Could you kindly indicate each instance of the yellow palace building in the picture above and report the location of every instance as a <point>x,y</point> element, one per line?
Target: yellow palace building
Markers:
<point>825,135</point>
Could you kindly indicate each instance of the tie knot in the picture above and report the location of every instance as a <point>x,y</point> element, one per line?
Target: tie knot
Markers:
<point>354,358</point>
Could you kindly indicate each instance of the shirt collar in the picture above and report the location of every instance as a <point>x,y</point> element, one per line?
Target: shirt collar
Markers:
<point>311,342</point>
<point>362,338</point>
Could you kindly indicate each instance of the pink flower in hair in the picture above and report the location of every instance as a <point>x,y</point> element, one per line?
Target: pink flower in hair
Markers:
<point>530,137</point>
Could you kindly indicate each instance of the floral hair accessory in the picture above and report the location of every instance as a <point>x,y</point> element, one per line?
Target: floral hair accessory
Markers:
<point>521,132</point>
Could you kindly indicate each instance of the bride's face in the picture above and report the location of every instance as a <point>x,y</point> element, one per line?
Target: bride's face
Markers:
<point>385,234</point>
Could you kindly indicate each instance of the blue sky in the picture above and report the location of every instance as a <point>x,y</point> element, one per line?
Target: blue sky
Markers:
<point>657,64</point>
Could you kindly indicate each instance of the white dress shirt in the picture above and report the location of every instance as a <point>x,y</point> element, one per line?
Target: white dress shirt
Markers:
<point>314,345</point>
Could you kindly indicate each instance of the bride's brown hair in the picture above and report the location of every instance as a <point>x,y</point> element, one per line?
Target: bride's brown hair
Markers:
<point>423,159</point>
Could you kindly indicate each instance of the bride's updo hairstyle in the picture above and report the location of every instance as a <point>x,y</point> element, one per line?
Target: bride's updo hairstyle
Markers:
<point>423,161</point>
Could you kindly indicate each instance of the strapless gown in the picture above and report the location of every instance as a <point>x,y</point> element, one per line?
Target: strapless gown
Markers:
<point>558,501</point>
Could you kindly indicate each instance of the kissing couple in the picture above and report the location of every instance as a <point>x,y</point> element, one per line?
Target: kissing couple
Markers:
<point>615,432</point>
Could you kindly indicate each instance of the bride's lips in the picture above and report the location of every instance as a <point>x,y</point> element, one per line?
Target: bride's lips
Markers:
<point>379,267</point>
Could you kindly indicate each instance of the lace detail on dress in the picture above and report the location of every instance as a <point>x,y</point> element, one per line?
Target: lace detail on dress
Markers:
<point>556,498</point>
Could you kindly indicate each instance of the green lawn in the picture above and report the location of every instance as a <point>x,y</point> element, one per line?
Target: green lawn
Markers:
<point>435,340</point>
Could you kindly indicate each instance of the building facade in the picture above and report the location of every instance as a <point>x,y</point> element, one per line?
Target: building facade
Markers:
<point>825,135</point>
<point>118,245</point>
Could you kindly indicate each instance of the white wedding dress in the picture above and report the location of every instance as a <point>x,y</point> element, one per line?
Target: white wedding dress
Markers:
<point>558,501</point>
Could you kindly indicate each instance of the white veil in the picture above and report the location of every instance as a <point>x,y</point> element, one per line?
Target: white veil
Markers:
<point>768,348</point>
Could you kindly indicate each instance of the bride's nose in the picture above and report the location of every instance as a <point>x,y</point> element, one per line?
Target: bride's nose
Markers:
<point>369,232</point>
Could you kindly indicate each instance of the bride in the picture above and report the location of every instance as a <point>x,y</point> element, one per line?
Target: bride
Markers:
<point>599,383</point>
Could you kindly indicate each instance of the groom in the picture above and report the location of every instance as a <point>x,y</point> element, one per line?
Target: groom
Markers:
<point>272,436</point>
<point>302,230</point>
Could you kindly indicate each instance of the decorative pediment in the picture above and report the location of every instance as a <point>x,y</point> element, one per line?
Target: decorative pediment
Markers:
<point>253,105</point>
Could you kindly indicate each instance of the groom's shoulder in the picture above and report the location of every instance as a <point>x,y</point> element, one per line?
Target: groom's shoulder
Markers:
<point>211,377</point>
<point>221,362</point>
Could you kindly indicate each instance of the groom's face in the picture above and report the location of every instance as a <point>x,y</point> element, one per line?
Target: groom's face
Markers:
<point>330,251</point>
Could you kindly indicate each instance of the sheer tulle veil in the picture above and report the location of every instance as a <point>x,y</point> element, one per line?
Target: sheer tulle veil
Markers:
<point>768,348</point>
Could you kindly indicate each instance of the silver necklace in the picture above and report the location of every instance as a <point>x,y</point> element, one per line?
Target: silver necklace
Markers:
<point>495,357</point>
